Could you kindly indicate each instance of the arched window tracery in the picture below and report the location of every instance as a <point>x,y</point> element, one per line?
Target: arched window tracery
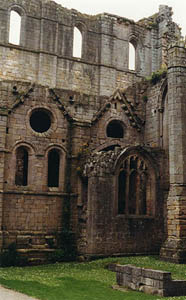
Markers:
<point>135,190</point>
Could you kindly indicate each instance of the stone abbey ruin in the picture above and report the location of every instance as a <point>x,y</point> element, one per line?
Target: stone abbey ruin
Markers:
<point>88,145</point>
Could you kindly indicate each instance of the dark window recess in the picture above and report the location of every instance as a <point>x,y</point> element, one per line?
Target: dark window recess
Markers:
<point>143,194</point>
<point>133,189</point>
<point>121,192</point>
<point>40,121</point>
<point>21,177</point>
<point>115,130</point>
<point>53,168</point>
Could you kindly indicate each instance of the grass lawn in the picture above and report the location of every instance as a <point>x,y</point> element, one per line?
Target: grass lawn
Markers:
<point>82,281</point>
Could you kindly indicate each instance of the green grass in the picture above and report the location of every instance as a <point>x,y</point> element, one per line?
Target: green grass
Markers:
<point>82,281</point>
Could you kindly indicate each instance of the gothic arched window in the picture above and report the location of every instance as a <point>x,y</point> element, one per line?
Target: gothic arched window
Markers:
<point>53,168</point>
<point>15,28</point>
<point>132,56</point>
<point>77,43</point>
<point>21,176</point>
<point>135,187</point>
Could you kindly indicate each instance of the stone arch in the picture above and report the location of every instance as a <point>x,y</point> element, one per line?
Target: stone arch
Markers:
<point>22,159</point>
<point>132,57</point>
<point>18,12</point>
<point>115,128</point>
<point>79,33</point>
<point>132,43</point>
<point>53,168</point>
<point>55,156</point>
<point>137,45</point>
<point>109,145</point>
<point>138,188</point>
<point>21,162</point>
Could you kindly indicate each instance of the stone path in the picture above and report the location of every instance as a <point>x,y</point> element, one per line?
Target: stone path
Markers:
<point>6,294</point>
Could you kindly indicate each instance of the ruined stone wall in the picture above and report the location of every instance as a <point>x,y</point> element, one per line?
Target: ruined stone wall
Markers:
<point>149,281</point>
<point>105,231</point>
<point>80,98</point>
<point>45,51</point>
<point>174,247</point>
<point>31,215</point>
<point>34,208</point>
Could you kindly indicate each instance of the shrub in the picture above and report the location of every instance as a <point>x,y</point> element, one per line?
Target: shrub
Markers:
<point>11,257</point>
<point>158,75</point>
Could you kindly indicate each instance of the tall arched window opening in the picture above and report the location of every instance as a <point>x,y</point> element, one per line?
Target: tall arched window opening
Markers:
<point>15,28</point>
<point>132,57</point>
<point>135,187</point>
<point>165,121</point>
<point>121,192</point>
<point>53,168</point>
<point>77,43</point>
<point>21,176</point>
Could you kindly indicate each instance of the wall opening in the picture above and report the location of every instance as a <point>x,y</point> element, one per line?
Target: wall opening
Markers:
<point>15,28</point>
<point>40,120</point>
<point>121,192</point>
<point>132,57</point>
<point>135,187</point>
<point>165,121</point>
<point>21,177</point>
<point>77,43</point>
<point>143,194</point>
<point>115,129</point>
<point>53,168</point>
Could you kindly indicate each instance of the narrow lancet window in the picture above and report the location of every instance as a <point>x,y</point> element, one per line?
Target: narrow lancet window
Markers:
<point>21,177</point>
<point>15,28</point>
<point>121,192</point>
<point>53,168</point>
<point>77,43</point>
<point>132,57</point>
<point>143,194</point>
<point>133,191</point>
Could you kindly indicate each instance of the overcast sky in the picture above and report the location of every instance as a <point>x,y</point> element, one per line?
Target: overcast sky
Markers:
<point>132,9</point>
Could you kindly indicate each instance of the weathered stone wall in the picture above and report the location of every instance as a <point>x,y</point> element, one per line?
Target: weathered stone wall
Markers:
<point>81,97</point>
<point>34,208</point>
<point>107,231</point>
<point>46,45</point>
<point>29,214</point>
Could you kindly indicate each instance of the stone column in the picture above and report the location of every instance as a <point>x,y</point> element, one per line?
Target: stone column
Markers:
<point>3,128</point>
<point>174,248</point>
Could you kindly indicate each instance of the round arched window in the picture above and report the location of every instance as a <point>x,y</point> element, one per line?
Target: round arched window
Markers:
<point>115,129</point>
<point>40,120</point>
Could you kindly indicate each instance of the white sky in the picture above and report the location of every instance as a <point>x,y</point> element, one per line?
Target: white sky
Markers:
<point>132,9</point>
